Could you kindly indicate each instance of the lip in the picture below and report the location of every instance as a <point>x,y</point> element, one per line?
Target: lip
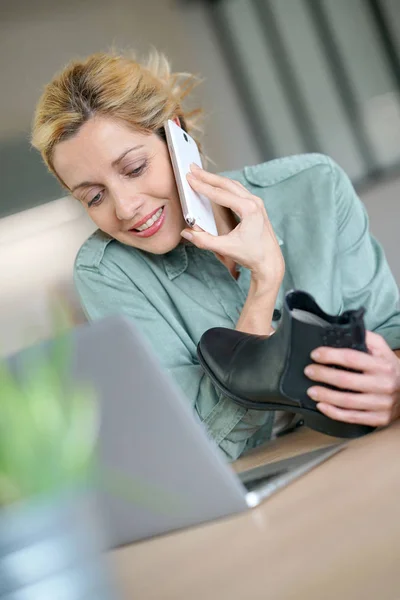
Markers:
<point>154,228</point>
<point>143,221</point>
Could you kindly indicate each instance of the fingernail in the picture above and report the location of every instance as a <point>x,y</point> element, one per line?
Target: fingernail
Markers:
<point>187,235</point>
<point>313,393</point>
<point>195,167</point>
<point>190,176</point>
<point>315,354</point>
<point>309,371</point>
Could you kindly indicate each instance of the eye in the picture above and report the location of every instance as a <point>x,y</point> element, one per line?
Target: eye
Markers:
<point>96,200</point>
<point>137,171</point>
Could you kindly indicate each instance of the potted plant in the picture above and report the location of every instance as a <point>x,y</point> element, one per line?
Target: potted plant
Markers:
<point>50,541</point>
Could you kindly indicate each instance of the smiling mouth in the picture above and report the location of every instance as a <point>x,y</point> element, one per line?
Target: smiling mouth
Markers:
<point>151,226</point>
<point>149,221</point>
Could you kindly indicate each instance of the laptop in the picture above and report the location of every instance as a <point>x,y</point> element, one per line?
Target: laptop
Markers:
<point>158,470</point>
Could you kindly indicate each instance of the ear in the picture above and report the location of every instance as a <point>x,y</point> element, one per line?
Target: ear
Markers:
<point>176,120</point>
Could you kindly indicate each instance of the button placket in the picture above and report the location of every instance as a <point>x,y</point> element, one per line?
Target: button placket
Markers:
<point>230,294</point>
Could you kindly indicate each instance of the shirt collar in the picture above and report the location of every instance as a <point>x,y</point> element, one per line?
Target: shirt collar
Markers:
<point>176,261</point>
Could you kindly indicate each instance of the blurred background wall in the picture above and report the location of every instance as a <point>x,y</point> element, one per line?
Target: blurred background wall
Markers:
<point>38,37</point>
<point>281,77</point>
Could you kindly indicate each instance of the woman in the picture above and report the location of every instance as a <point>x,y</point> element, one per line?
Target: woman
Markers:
<point>99,128</point>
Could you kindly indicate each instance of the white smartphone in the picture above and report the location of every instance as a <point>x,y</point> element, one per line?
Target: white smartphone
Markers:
<point>196,208</point>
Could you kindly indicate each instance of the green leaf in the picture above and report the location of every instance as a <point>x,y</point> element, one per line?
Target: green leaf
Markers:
<point>48,427</point>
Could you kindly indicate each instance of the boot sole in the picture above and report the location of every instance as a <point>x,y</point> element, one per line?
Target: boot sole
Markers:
<point>312,418</point>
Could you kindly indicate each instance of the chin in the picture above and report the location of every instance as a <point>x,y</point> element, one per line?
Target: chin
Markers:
<point>161,246</point>
<point>164,246</point>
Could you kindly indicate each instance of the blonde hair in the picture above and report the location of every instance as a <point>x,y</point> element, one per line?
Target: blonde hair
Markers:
<point>142,95</point>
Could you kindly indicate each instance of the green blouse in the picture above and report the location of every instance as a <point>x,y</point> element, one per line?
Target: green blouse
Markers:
<point>322,228</point>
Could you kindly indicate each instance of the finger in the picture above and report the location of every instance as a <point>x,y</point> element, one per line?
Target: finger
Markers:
<point>345,380</point>
<point>351,401</point>
<point>220,181</point>
<point>349,358</point>
<point>377,345</point>
<point>245,191</point>
<point>240,205</point>
<point>205,241</point>
<point>371,418</point>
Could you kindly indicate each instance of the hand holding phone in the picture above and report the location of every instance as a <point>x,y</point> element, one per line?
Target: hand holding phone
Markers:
<point>196,208</point>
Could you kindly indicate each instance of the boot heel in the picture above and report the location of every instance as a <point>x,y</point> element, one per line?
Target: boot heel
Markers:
<point>323,424</point>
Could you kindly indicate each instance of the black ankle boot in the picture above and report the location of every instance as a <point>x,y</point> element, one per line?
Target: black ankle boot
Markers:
<point>267,373</point>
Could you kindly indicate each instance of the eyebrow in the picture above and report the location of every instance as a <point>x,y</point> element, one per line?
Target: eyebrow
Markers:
<point>113,164</point>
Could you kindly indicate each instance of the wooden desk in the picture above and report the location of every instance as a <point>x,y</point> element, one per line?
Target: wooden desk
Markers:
<point>334,534</point>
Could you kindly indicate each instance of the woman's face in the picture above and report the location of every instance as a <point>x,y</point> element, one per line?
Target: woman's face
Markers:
<point>125,181</point>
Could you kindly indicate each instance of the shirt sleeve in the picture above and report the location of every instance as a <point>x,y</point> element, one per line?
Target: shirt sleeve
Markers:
<point>366,278</point>
<point>104,291</point>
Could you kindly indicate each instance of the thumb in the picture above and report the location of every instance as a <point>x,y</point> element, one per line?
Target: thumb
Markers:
<point>377,345</point>
<point>203,240</point>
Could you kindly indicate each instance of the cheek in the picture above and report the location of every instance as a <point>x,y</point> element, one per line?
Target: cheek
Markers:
<point>164,187</point>
<point>104,217</point>
<point>166,180</point>
<point>173,193</point>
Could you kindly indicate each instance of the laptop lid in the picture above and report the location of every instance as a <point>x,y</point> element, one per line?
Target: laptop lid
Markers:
<point>158,469</point>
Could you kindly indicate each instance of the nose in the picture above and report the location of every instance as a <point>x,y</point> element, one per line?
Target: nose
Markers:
<point>127,204</point>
